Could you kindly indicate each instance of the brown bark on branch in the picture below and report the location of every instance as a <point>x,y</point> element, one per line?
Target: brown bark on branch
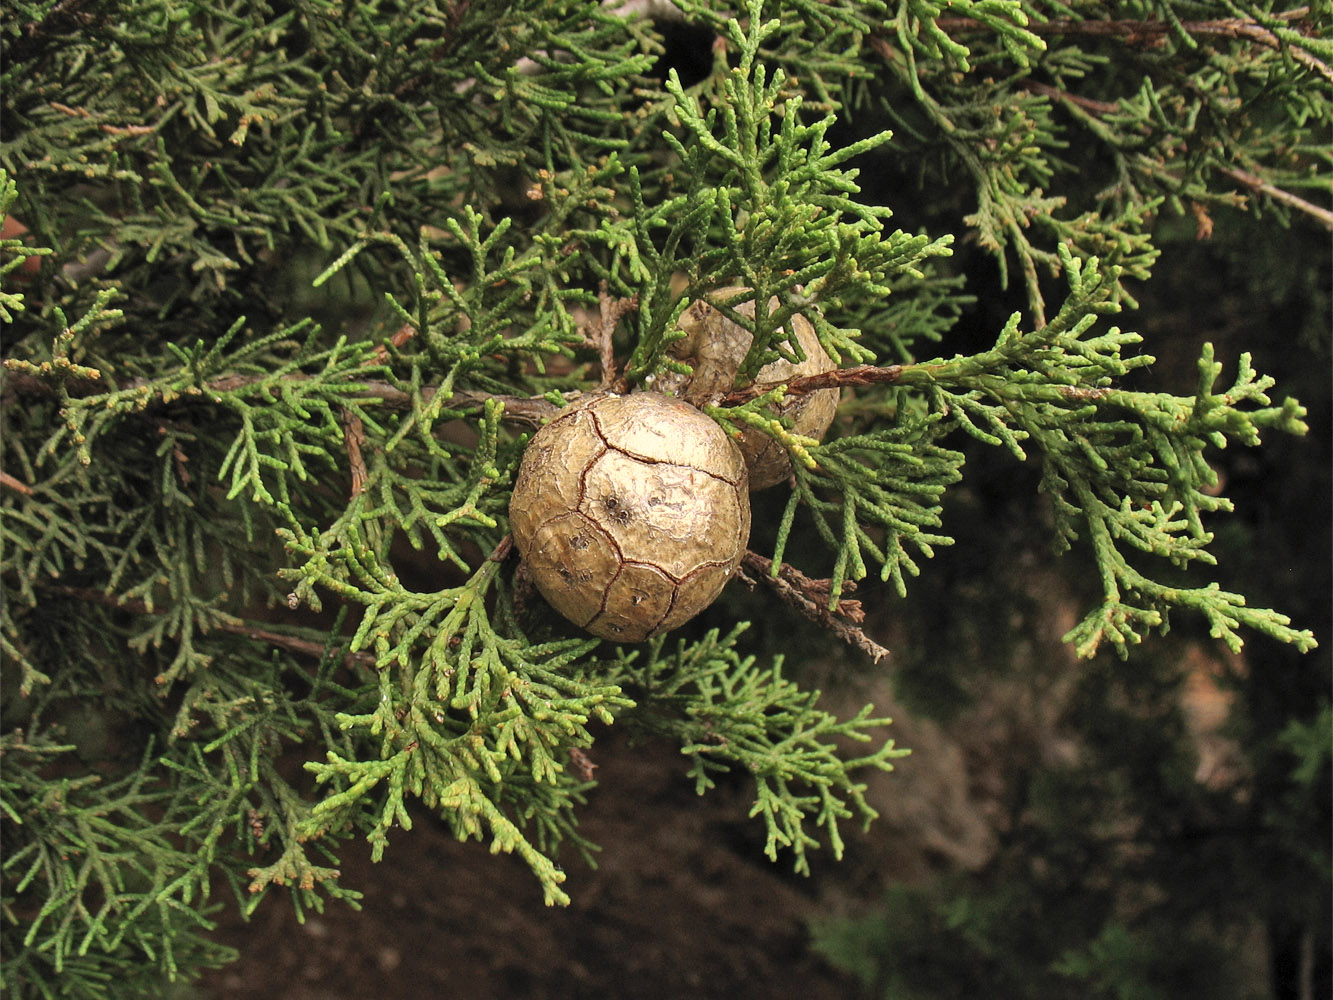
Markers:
<point>836,379</point>
<point>13,483</point>
<point>1086,103</point>
<point>809,598</point>
<point>1261,186</point>
<point>599,334</point>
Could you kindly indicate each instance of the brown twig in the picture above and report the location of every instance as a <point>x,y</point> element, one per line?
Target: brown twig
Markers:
<point>531,410</point>
<point>22,384</point>
<point>501,551</point>
<point>179,460</point>
<point>354,436</point>
<point>581,764</point>
<point>610,313</point>
<point>17,485</point>
<point>810,598</point>
<point>1203,222</point>
<point>232,625</point>
<point>405,333</point>
<point>1086,103</point>
<point>354,431</point>
<point>129,129</point>
<point>839,377</point>
<point>1260,185</point>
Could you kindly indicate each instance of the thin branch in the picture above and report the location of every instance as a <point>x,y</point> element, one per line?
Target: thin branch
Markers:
<point>1260,185</point>
<point>810,598</point>
<point>354,431</point>
<point>1086,103</point>
<point>610,313</point>
<point>501,551</point>
<point>836,379</point>
<point>405,333</point>
<point>354,436</point>
<point>234,626</point>
<point>581,764</point>
<point>1252,181</point>
<point>179,459</point>
<point>17,485</point>
<point>531,410</point>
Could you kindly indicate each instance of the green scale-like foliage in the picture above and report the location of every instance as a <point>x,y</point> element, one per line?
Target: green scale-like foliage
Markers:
<point>312,272</point>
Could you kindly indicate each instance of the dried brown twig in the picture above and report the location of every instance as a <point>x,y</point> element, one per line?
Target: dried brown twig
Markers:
<point>810,598</point>
<point>13,483</point>
<point>354,436</point>
<point>1261,186</point>
<point>599,334</point>
<point>354,431</point>
<point>839,377</point>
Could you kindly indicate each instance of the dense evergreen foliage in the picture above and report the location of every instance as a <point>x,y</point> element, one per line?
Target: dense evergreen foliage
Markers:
<point>286,286</point>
